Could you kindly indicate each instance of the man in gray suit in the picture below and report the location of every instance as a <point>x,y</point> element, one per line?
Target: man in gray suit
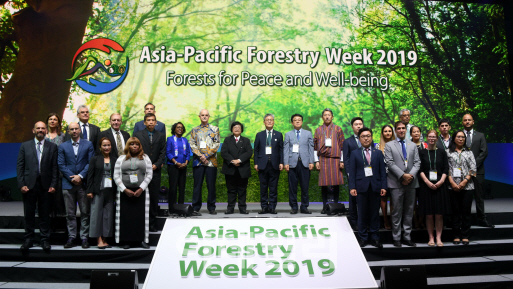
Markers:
<point>402,159</point>
<point>476,141</point>
<point>298,155</point>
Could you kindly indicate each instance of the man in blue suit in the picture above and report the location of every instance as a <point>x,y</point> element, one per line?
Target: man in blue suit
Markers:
<point>268,163</point>
<point>368,183</point>
<point>350,144</point>
<point>73,159</point>
<point>298,158</point>
<point>160,127</point>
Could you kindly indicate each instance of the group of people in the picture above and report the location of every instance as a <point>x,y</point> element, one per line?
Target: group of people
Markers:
<point>115,178</point>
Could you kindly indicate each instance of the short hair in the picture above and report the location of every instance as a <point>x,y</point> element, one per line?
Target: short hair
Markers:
<point>269,114</point>
<point>110,118</point>
<point>175,125</point>
<point>127,149</point>
<point>355,119</point>
<point>432,131</point>
<point>59,129</point>
<point>364,129</point>
<point>293,116</point>
<point>237,123</point>
<point>151,105</point>
<point>440,122</point>
<point>100,143</point>
<point>414,126</point>
<point>403,110</point>
<point>452,145</point>
<point>327,109</point>
<point>81,106</point>
<point>398,123</point>
<point>149,115</point>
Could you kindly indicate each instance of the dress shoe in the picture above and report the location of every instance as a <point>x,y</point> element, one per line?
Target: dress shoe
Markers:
<point>196,213</point>
<point>273,211</point>
<point>409,243</point>
<point>85,244</point>
<point>26,245</point>
<point>153,229</point>
<point>397,244</point>
<point>126,246</point>
<point>293,212</point>
<point>212,212</point>
<point>69,243</point>
<point>228,212</point>
<point>485,223</point>
<point>244,212</point>
<point>377,244</point>
<point>323,211</point>
<point>264,211</point>
<point>46,246</point>
<point>144,245</point>
<point>362,243</point>
<point>305,211</point>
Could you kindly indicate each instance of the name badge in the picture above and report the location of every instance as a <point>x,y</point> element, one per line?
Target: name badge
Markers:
<point>406,163</point>
<point>368,171</point>
<point>327,142</point>
<point>456,172</point>
<point>268,150</point>
<point>203,144</point>
<point>295,148</point>
<point>433,175</point>
<point>133,179</point>
<point>107,182</point>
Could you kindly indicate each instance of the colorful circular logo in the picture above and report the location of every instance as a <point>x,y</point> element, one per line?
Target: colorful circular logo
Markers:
<point>105,70</point>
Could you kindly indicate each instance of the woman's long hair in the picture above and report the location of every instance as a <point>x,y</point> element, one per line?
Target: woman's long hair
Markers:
<point>127,149</point>
<point>452,145</point>
<point>382,141</point>
<point>59,128</point>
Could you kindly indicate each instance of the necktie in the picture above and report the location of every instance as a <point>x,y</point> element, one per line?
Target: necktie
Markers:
<point>358,142</point>
<point>236,140</point>
<point>297,134</point>
<point>269,138</point>
<point>84,132</point>
<point>119,145</point>
<point>469,141</point>
<point>367,155</point>
<point>39,156</point>
<point>405,155</point>
<point>151,138</point>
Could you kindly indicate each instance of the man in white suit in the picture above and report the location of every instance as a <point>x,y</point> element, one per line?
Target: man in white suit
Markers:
<point>402,159</point>
<point>298,155</point>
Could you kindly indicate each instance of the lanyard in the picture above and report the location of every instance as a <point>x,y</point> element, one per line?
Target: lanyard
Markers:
<point>364,159</point>
<point>176,146</point>
<point>429,156</point>
<point>132,164</point>
<point>332,132</point>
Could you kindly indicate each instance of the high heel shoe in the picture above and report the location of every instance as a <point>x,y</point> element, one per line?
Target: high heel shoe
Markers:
<point>465,242</point>
<point>456,241</point>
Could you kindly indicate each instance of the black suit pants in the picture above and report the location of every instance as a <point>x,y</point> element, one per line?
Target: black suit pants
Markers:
<point>300,174</point>
<point>269,187</point>
<point>177,178</point>
<point>368,214</point>
<point>199,174</point>
<point>479,196</point>
<point>329,192</point>
<point>154,188</point>
<point>42,198</point>
<point>461,210</point>
<point>353,210</point>
<point>236,190</point>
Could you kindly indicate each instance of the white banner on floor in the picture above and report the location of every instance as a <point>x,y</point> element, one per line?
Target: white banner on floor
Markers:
<point>259,253</point>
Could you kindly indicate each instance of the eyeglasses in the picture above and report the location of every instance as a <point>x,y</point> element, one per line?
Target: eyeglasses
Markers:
<point>365,136</point>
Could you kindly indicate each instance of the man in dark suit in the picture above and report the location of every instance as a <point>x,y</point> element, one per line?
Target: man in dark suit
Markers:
<point>236,152</point>
<point>88,131</point>
<point>444,127</point>
<point>116,136</point>
<point>154,145</point>
<point>476,142</point>
<point>268,163</point>
<point>350,144</point>
<point>367,182</point>
<point>37,175</point>
<point>73,158</point>
<point>159,126</point>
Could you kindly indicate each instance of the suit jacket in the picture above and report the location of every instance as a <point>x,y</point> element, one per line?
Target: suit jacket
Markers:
<point>160,127</point>
<point>395,162</point>
<point>230,150</point>
<point>70,165</point>
<point>440,144</point>
<point>27,165</point>
<point>350,144</point>
<point>156,151</point>
<point>108,134</point>
<point>357,178</point>
<point>276,152</point>
<point>94,131</point>
<point>480,150</point>
<point>306,148</point>
<point>95,173</point>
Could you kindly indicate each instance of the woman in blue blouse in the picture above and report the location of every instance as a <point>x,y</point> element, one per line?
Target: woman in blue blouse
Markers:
<point>178,152</point>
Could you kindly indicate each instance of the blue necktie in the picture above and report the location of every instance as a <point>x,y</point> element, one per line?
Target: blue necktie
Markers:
<point>84,132</point>
<point>297,133</point>
<point>405,155</point>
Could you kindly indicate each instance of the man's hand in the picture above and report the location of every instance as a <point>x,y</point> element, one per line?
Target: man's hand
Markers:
<point>90,195</point>
<point>76,180</point>
<point>405,182</point>
<point>318,166</point>
<point>341,165</point>
<point>256,168</point>
<point>310,166</point>
<point>281,167</point>
<point>24,189</point>
<point>154,167</point>
<point>353,193</point>
<point>51,190</point>
<point>383,192</point>
<point>129,193</point>
<point>203,159</point>
<point>287,168</point>
<point>455,187</point>
<point>138,192</point>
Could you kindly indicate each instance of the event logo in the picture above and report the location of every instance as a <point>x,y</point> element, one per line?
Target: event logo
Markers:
<point>93,67</point>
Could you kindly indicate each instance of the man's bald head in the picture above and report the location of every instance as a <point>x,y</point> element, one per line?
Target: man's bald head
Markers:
<point>74,131</point>
<point>204,116</point>
<point>468,122</point>
<point>39,130</point>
